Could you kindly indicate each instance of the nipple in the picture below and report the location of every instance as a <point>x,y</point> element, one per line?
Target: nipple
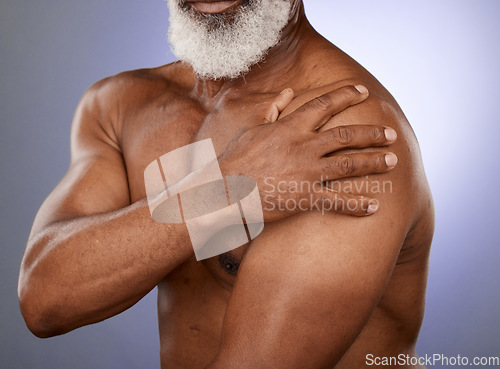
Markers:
<point>229,264</point>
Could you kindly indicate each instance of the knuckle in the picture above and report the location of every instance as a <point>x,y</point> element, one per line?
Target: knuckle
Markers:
<point>343,135</point>
<point>344,165</point>
<point>322,103</point>
<point>377,134</point>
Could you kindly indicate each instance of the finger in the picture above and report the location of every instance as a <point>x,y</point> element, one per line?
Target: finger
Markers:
<point>356,165</point>
<point>269,111</point>
<point>353,137</point>
<point>315,113</point>
<point>278,104</point>
<point>329,201</point>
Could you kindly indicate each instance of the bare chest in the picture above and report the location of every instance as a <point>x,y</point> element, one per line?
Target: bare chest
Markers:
<point>162,127</point>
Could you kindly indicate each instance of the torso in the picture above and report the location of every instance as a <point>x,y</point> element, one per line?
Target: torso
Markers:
<point>192,299</point>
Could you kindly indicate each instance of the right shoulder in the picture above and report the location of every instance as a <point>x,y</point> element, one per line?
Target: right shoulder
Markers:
<point>105,103</point>
<point>135,86</point>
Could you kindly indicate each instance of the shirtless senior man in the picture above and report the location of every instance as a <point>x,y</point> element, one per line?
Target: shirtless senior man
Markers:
<point>313,290</point>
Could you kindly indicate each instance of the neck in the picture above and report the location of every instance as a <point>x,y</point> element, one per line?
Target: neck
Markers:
<point>281,66</point>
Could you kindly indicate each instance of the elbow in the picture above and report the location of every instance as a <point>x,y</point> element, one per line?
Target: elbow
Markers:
<point>39,330</point>
<point>39,315</point>
<point>37,300</point>
<point>40,322</point>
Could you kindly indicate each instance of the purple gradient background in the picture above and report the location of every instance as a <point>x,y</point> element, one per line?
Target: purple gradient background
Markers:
<point>438,58</point>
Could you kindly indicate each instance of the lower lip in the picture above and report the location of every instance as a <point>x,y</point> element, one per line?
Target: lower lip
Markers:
<point>213,7</point>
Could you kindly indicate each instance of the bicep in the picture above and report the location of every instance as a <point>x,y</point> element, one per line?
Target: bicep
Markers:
<point>96,180</point>
<point>307,287</point>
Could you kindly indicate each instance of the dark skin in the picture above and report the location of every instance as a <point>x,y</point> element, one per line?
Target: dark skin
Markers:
<point>313,290</point>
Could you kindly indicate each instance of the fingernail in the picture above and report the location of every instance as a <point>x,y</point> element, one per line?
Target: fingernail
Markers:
<point>372,206</point>
<point>391,160</point>
<point>362,89</point>
<point>390,134</point>
<point>285,91</point>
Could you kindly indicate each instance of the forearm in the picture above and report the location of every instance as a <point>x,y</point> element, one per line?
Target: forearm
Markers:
<point>80,271</point>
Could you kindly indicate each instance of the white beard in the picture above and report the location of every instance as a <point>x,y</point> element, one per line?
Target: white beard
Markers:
<point>217,47</point>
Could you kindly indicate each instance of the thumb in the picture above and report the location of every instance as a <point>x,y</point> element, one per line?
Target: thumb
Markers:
<point>279,103</point>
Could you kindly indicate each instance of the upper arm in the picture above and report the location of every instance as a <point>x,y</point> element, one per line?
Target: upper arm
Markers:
<point>308,284</point>
<point>301,291</point>
<point>96,180</point>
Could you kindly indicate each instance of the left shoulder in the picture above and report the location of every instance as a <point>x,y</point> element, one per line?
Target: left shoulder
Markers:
<point>409,188</point>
